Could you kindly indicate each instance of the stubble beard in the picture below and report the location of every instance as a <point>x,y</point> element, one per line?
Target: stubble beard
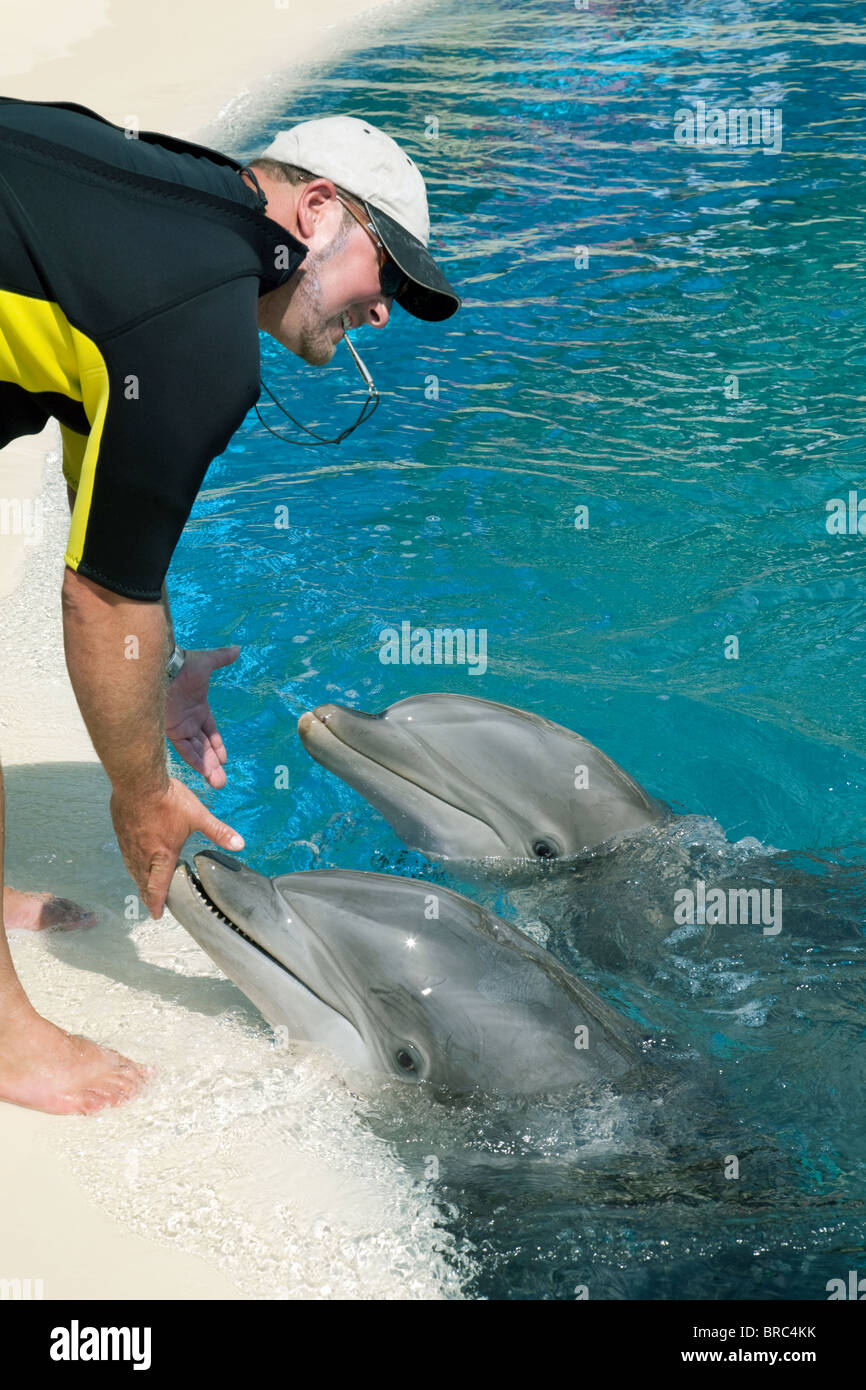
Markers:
<point>315,333</point>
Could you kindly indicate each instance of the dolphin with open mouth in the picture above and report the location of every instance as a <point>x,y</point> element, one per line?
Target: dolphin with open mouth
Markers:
<point>468,779</point>
<point>405,978</point>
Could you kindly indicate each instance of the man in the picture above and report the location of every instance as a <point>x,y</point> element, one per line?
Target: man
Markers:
<point>134,274</point>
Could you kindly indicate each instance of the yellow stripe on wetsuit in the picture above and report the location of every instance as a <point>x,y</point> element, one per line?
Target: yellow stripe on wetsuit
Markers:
<point>41,351</point>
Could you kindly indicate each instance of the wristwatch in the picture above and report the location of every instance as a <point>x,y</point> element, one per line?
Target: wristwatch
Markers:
<point>175,663</point>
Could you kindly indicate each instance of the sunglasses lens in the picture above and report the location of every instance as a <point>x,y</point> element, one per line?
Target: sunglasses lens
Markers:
<point>392,278</point>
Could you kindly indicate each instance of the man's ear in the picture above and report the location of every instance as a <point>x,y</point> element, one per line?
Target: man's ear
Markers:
<point>317,211</point>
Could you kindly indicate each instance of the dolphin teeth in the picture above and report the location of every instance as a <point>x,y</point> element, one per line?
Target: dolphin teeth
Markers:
<point>212,907</point>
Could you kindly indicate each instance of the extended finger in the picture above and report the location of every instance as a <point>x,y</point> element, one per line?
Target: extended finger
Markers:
<point>224,656</point>
<point>217,830</point>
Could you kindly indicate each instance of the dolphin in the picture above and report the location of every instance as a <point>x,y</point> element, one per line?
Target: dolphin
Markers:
<point>468,779</point>
<point>404,978</point>
<point>518,801</point>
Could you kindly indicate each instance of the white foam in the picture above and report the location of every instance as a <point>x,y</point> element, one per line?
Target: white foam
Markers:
<point>255,1159</point>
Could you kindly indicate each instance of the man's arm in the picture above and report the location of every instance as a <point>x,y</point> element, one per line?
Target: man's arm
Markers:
<point>116,651</point>
<point>164,602</point>
<point>142,470</point>
<point>187,720</point>
<point>169,624</point>
<point>119,623</point>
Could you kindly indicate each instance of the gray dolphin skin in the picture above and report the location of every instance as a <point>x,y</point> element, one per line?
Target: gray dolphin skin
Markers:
<point>404,978</point>
<point>468,779</point>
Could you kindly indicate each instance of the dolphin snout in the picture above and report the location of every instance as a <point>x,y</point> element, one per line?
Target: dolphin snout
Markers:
<point>320,715</point>
<point>325,712</point>
<point>202,859</point>
<point>341,721</point>
<point>345,712</point>
<point>307,721</point>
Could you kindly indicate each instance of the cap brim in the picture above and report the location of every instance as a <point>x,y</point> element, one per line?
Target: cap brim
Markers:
<point>428,294</point>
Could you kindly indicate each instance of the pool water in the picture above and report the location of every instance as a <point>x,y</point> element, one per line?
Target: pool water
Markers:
<point>693,379</point>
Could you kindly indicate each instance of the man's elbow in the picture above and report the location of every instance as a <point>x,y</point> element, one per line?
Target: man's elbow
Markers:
<point>78,593</point>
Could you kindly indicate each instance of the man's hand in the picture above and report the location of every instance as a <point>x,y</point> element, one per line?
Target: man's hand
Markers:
<point>189,723</point>
<point>151,832</point>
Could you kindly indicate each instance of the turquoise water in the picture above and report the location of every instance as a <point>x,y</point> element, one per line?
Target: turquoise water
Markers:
<point>607,386</point>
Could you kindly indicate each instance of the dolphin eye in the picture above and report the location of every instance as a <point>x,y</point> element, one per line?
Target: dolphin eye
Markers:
<point>408,1061</point>
<point>542,849</point>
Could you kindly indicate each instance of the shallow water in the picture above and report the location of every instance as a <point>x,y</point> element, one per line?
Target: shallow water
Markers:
<point>251,1155</point>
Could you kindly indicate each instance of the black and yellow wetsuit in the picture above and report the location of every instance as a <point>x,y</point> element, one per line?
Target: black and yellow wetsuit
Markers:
<point>130,270</point>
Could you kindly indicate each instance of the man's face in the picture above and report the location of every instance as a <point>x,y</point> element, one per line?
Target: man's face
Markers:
<point>339,275</point>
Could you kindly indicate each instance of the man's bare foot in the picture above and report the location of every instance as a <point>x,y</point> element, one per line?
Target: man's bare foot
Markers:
<point>44,1068</point>
<point>35,911</point>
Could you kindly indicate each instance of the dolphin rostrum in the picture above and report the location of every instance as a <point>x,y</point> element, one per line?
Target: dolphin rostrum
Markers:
<point>402,977</point>
<point>443,770</point>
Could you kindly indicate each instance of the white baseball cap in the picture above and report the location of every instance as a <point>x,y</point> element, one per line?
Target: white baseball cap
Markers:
<point>367,163</point>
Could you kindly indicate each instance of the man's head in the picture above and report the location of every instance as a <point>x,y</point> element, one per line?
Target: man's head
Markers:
<point>358,202</point>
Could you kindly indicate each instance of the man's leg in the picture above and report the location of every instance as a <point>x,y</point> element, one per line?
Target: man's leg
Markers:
<point>43,1067</point>
<point>33,911</point>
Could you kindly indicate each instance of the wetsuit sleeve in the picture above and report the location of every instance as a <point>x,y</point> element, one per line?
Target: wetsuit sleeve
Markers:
<point>163,399</point>
<point>74,448</point>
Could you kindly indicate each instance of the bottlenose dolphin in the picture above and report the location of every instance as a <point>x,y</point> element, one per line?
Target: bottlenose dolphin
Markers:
<point>468,779</point>
<point>524,803</point>
<point>404,978</point>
